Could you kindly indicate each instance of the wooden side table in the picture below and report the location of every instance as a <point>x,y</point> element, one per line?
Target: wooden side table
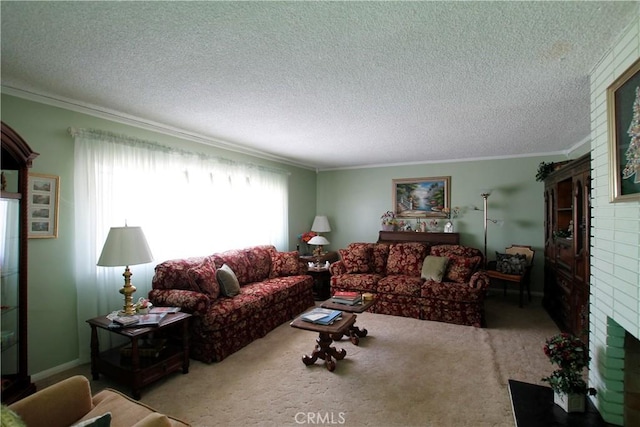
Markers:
<point>321,282</point>
<point>136,371</point>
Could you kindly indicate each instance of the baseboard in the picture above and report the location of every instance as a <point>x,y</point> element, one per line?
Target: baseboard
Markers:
<point>496,290</point>
<point>55,370</point>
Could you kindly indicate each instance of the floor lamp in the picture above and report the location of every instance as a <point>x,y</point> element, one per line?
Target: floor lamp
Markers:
<point>485,195</point>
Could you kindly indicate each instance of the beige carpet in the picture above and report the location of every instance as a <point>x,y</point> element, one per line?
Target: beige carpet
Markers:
<point>405,373</point>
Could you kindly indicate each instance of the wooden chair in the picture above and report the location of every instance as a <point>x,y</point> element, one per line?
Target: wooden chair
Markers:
<point>521,279</point>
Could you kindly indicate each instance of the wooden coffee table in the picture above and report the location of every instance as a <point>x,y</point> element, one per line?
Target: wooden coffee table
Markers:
<point>354,332</point>
<point>323,349</point>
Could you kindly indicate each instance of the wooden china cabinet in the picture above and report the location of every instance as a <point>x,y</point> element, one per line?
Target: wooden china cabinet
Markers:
<point>16,161</point>
<point>567,198</point>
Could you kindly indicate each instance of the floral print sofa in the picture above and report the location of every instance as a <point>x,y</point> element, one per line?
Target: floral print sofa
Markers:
<point>392,272</point>
<point>274,288</point>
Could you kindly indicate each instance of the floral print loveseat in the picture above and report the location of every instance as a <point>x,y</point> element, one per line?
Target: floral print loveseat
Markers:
<point>274,288</point>
<point>392,272</point>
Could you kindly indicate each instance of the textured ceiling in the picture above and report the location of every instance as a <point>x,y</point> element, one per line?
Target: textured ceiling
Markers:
<point>325,84</point>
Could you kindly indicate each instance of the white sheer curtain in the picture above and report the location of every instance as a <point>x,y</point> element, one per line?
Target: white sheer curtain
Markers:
<point>186,203</point>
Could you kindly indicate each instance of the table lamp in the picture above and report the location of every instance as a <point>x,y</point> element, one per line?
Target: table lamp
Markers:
<point>318,241</point>
<point>320,225</point>
<point>125,246</point>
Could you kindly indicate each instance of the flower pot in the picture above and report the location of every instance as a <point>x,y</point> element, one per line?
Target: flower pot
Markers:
<point>570,402</point>
<point>387,227</point>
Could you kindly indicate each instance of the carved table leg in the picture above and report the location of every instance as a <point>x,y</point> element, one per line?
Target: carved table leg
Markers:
<point>324,351</point>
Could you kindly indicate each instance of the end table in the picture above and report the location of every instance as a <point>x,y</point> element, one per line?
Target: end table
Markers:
<point>321,282</point>
<point>137,371</point>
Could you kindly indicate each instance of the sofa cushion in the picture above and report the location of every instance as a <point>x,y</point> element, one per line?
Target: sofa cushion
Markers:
<point>380,254</point>
<point>357,258</point>
<point>400,285</point>
<point>461,268</point>
<point>406,259</point>
<point>10,418</point>
<point>511,263</point>
<point>450,291</point>
<point>172,274</point>
<point>228,281</point>
<point>203,277</point>
<point>259,259</point>
<point>364,282</point>
<point>237,261</point>
<point>154,419</point>
<point>285,264</point>
<point>434,267</point>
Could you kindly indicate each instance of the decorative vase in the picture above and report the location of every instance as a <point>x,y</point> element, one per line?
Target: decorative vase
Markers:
<point>387,227</point>
<point>569,402</point>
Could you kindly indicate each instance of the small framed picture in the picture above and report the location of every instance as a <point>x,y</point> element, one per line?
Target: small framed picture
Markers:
<point>43,196</point>
<point>421,197</point>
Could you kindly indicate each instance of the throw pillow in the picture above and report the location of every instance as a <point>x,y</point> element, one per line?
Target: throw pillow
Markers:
<point>434,267</point>
<point>103,420</point>
<point>406,259</point>
<point>229,285</point>
<point>285,264</point>
<point>356,259</point>
<point>511,263</point>
<point>461,268</point>
<point>9,418</point>
<point>203,278</point>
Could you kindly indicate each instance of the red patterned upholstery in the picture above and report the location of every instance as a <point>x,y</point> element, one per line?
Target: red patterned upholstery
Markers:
<point>274,289</point>
<point>401,291</point>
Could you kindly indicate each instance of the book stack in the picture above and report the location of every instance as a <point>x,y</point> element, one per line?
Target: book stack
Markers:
<point>347,297</point>
<point>321,316</point>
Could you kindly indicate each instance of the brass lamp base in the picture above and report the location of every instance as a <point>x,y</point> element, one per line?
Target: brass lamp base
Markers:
<point>128,291</point>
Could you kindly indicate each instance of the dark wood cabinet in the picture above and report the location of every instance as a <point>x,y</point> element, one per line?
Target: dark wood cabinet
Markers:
<point>17,157</point>
<point>567,197</point>
<point>413,236</point>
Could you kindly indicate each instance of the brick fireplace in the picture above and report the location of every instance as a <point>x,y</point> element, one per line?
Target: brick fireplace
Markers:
<point>618,366</point>
<point>614,319</point>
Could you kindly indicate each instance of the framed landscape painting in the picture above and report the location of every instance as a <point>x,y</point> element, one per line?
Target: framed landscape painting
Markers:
<point>623,111</point>
<point>43,206</point>
<point>421,197</point>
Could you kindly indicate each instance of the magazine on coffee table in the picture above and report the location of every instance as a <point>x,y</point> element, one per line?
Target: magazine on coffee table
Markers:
<point>321,316</point>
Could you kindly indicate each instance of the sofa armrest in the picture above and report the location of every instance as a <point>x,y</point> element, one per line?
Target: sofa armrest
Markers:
<point>60,404</point>
<point>479,280</point>
<point>189,301</point>
<point>337,268</point>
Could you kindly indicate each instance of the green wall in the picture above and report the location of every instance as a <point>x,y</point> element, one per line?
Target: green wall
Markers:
<point>53,318</point>
<point>355,199</point>
<point>352,199</point>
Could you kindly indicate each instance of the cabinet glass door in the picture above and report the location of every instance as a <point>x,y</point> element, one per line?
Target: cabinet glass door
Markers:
<point>9,296</point>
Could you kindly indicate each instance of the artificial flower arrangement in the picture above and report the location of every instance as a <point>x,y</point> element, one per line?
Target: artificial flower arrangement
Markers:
<point>305,237</point>
<point>388,218</point>
<point>570,354</point>
<point>451,213</point>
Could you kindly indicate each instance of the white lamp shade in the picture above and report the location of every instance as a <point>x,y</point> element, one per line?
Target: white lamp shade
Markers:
<point>318,240</point>
<point>125,246</point>
<point>321,224</point>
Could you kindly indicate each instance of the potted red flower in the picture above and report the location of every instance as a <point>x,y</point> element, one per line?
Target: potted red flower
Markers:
<point>568,385</point>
